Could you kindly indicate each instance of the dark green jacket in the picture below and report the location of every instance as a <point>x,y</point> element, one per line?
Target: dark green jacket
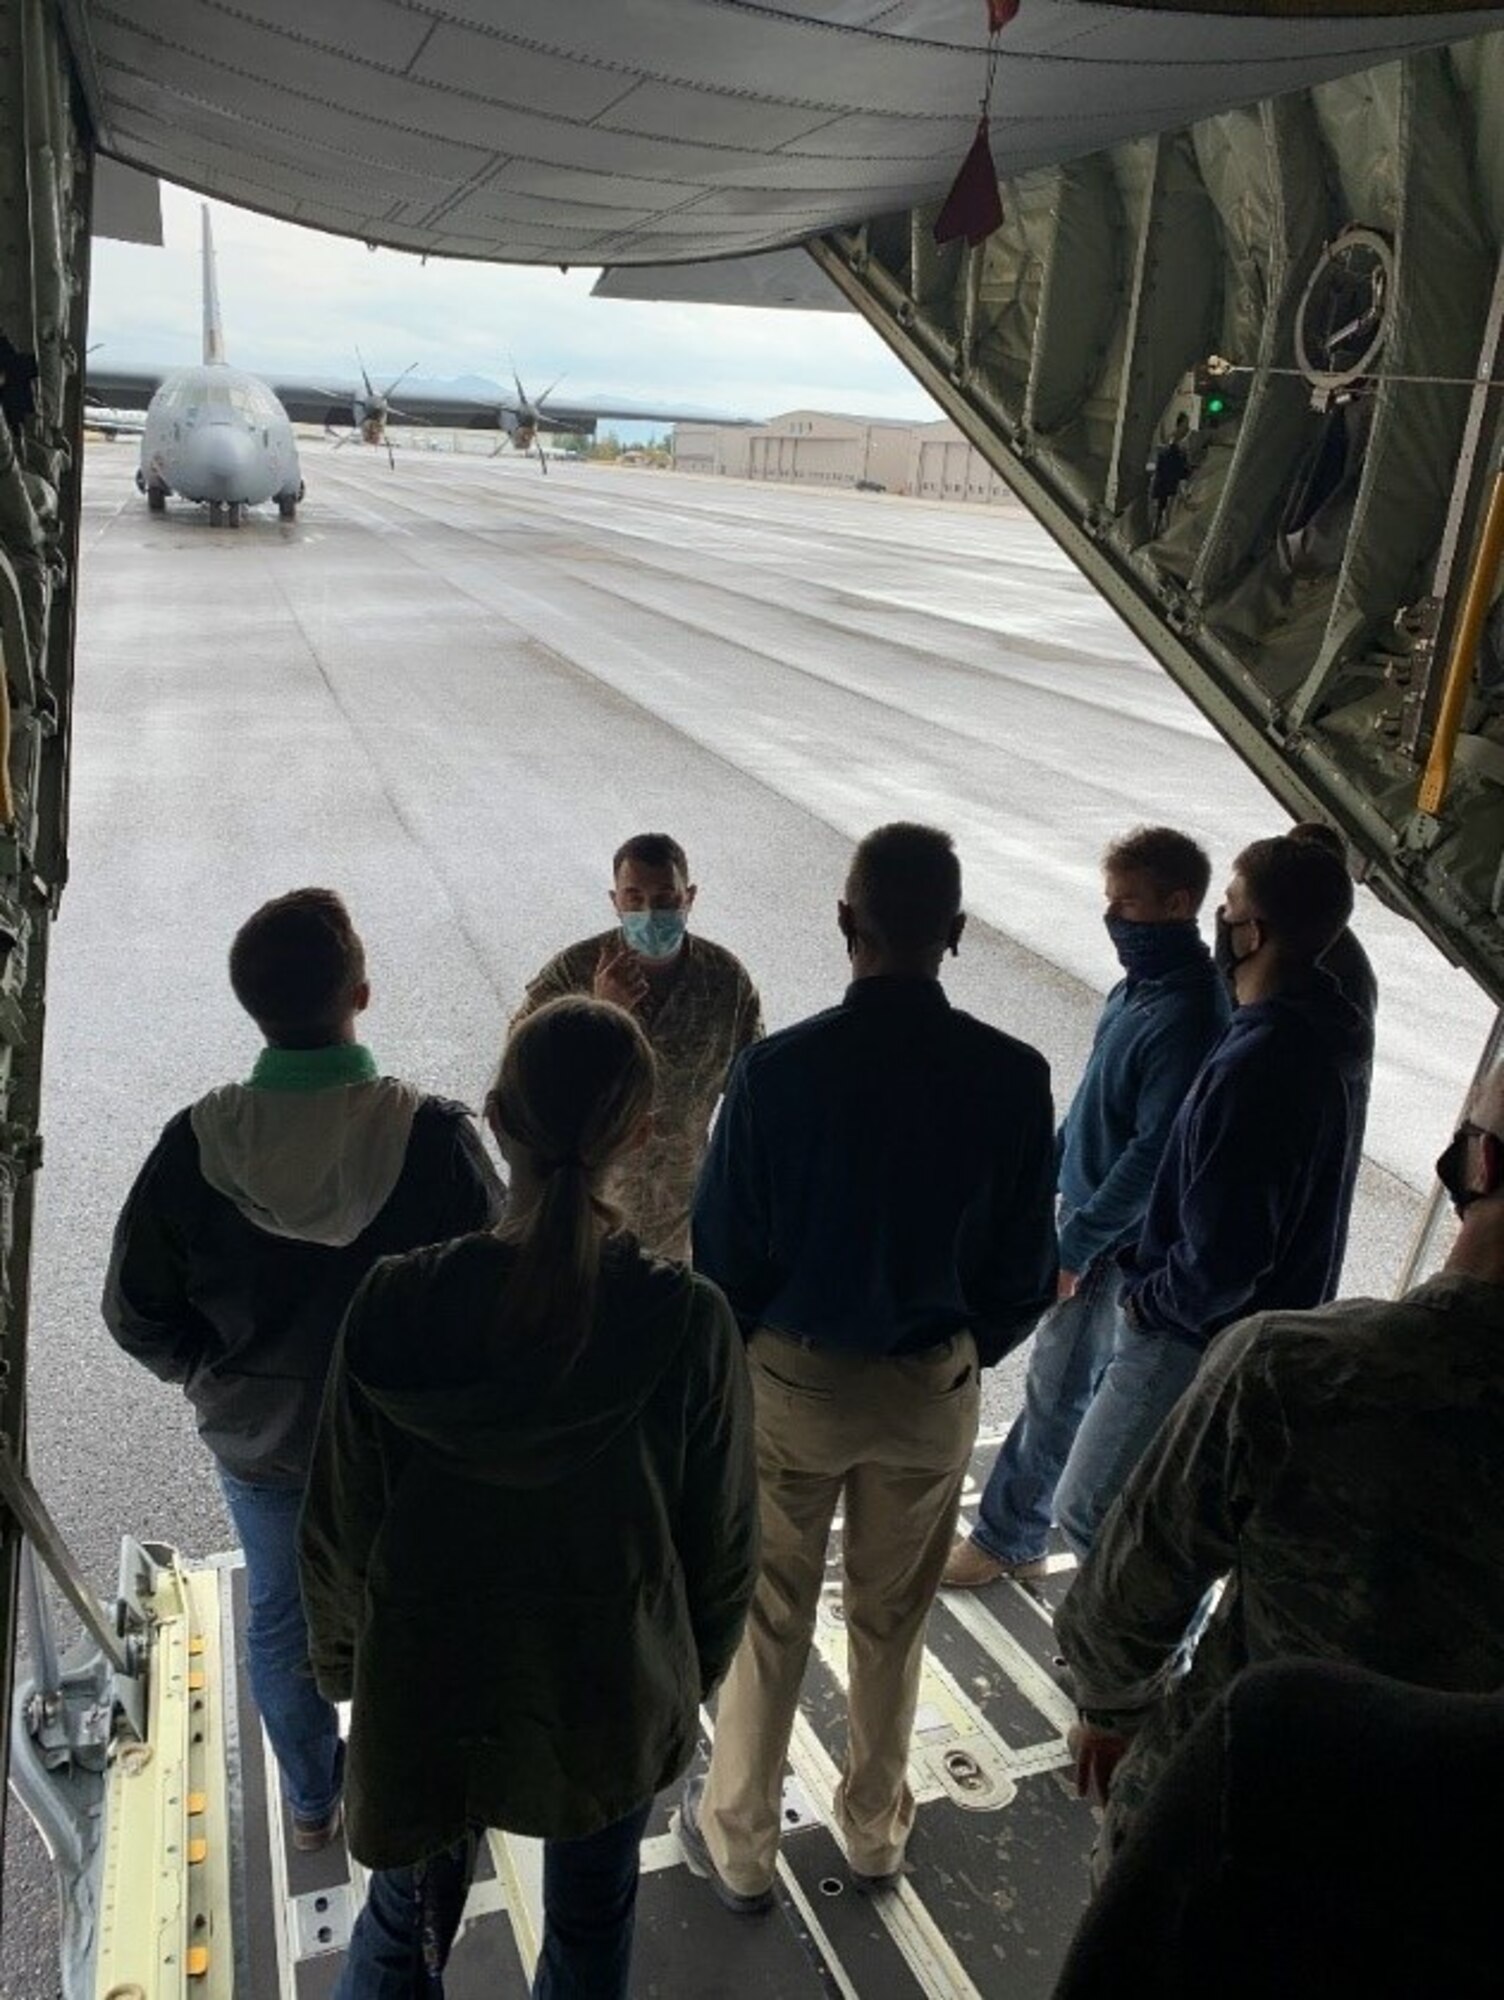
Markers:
<point>527,1583</point>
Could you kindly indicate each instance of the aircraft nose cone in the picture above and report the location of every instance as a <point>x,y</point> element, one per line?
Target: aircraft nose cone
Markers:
<point>225,458</point>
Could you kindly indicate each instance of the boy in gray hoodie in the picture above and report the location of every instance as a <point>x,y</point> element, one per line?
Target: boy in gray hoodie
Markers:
<point>257,1214</point>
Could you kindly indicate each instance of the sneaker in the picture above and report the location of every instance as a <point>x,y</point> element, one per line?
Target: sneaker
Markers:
<point>685,1825</point>
<point>309,1836</point>
<point>970,1566</point>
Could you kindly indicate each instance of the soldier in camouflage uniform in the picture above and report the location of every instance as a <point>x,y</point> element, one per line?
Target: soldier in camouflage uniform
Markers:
<point>1343,1469</point>
<point>698,1008</point>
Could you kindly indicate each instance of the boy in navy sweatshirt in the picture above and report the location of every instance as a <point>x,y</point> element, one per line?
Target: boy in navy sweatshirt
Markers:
<point>1249,1210</point>
<point>1156,1028</point>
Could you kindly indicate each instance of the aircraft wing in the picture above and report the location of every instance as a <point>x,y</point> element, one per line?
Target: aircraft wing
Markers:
<point>315,400</point>
<point>124,388</point>
<point>310,401</point>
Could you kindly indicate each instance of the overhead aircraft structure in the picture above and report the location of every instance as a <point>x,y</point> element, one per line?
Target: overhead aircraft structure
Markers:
<point>215,434</point>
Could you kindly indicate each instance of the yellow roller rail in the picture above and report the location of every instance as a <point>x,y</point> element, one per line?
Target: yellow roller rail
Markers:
<point>164,1918</point>
<point>1480,593</point>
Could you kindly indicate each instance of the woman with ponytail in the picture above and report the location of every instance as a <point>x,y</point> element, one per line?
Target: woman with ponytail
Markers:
<point>529,1538</point>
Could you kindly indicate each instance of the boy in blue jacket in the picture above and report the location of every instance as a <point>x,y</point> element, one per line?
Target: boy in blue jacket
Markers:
<point>1249,1210</point>
<point>1159,1022</point>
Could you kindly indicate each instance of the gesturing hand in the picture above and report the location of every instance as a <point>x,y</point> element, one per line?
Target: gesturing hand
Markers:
<point>619,976</point>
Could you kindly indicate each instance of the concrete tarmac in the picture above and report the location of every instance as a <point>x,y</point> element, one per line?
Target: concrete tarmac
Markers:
<point>449,692</point>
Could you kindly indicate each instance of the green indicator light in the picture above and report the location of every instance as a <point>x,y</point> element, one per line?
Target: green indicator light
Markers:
<point>1215,405</point>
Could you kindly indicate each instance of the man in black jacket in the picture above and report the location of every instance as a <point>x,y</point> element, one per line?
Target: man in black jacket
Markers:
<point>255,1217</point>
<point>878,1205</point>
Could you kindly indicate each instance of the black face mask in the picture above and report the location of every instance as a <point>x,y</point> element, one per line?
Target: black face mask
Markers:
<point>1451,1169</point>
<point>1224,957</point>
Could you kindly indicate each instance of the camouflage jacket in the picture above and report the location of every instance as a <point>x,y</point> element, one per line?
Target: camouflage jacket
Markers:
<point>1343,1469</point>
<point>705,1018</point>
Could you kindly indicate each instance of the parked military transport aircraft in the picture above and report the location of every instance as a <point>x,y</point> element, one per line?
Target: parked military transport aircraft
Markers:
<point>216,434</point>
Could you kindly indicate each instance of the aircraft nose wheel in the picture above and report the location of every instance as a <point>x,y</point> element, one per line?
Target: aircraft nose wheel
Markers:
<point>216,513</point>
<point>287,505</point>
<point>236,513</point>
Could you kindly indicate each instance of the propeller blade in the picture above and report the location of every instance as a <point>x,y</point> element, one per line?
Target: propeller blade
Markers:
<point>549,391</point>
<point>365,375</point>
<point>391,456</point>
<point>517,384</point>
<point>339,443</point>
<point>392,387</point>
<point>543,460</point>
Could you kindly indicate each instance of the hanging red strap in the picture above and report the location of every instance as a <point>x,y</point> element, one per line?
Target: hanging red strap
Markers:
<point>974,207</point>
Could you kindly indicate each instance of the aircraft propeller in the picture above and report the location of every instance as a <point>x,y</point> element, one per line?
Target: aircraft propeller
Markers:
<point>529,418</point>
<point>372,410</point>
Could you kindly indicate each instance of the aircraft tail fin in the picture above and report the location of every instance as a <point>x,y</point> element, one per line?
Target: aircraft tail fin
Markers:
<point>214,332</point>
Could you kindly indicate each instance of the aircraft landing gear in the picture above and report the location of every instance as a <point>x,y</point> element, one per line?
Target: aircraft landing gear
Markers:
<point>156,498</point>
<point>216,513</point>
<point>236,513</point>
<point>287,505</point>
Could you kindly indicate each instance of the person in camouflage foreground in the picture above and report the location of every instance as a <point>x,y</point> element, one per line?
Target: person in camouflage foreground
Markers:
<point>1343,1470</point>
<point>697,1006</point>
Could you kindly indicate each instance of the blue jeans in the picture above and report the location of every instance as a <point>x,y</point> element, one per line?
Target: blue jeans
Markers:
<point>402,1938</point>
<point>1071,1349</point>
<point>303,1727</point>
<point>1144,1380</point>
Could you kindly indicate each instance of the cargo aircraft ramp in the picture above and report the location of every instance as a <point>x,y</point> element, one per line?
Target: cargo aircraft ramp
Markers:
<point>201,1893</point>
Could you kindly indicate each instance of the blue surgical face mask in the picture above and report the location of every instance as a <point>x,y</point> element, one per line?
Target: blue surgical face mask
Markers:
<point>654,934</point>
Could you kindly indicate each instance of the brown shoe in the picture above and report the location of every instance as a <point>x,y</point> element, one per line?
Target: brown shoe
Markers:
<point>970,1567</point>
<point>309,1836</point>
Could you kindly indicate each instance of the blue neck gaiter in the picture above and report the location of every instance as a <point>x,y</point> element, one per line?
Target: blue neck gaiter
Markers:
<point>1151,951</point>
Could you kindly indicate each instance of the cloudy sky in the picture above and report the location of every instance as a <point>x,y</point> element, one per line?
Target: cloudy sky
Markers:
<point>295,301</point>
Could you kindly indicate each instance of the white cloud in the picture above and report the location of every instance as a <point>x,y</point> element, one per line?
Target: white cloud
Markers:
<point>296,301</point>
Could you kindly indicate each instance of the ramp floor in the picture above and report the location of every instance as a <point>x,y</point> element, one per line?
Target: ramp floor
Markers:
<point>997,1859</point>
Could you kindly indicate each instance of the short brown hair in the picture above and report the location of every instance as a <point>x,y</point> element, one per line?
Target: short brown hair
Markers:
<point>651,850</point>
<point>905,883</point>
<point>1299,890</point>
<point>295,966</point>
<point>1319,834</point>
<point>1171,860</point>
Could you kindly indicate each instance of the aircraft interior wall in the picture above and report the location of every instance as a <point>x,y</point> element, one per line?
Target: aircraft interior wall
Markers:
<point>1321,277</point>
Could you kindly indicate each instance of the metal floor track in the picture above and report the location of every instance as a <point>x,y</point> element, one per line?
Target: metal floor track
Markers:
<point>997,1858</point>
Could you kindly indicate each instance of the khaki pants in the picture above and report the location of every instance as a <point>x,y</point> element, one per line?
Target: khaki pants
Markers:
<point>894,1437</point>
